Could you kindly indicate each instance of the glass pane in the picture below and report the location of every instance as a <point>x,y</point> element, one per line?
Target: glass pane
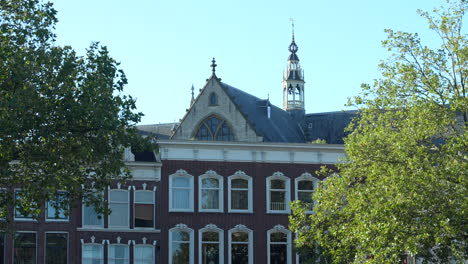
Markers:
<point>305,185</point>
<point>239,200</point>
<point>144,197</point>
<point>210,254</point>
<point>118,196</point>
<point>91,218</point>
<point>144,215</point>
<point>278,254</point>
<point>181,182</point>
<point>118,252</point>
<point>240,253</point>
<point>56,248</point>
<point>278,237</point>
<point>210,236</point>
<point>52,213</point>
<point>210,183</point>
<point>119,216</point>
<point>278,184</point>
<point>92,251</point>
<point>210,199</point>
<point>24,248</point>
<point>180,199</point>
<point>180,236</point>
<point>278,196</point>
<point>240,237</point>
<point>180,253</point>
<point>305,196</point>
<point>239,183</point>
<point>202,133</point>
<point>213,124</point>
<point>144,255</point>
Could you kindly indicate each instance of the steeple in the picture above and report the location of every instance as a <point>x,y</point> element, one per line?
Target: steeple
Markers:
<point>293,82</point>
<point>193,95</point>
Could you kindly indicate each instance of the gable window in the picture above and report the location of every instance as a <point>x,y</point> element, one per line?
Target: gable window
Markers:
<point>61,212</point>
<point>143,254</point>
<point>92,254</point>
<point>210,245</point>
<point>181,192</point>
<point>118,254</point>
<point>24,248</point>
<point>90,217</point>
<point>144,209</point>
<point>240,245</point>
<point>305,186</point>
<point>213,128</point>
<point>181,245</point>
<point>279,245</point>
<point>213,99</point>
<point>240,192</point>
<point>118,203</point>
<point>211,192</point>
<point>56,248</point>
<point>278,196</point>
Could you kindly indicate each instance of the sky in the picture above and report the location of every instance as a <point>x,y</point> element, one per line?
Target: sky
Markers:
<point>166,46</point>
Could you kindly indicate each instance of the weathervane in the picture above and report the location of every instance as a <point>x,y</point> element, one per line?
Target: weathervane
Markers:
<point>292,23</point>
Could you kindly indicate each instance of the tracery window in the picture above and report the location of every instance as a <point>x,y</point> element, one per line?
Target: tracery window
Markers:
<point>214,128</point>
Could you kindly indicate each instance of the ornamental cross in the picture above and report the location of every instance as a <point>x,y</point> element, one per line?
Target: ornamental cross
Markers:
<point>213,65</point>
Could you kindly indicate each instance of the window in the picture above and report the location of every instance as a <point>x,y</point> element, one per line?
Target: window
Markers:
<point>181,192</point>
<point>20,213</point>
<point>144,209</point>
<point>305,186</point>
<point>61,213</point>
<point>91,218</point>
<point>24,248</point>
<point>213,128</point>
<point>2,248</point>
<point>181,245</point>
<point>211,192</point>
<point>278,196</point>
<point>143,254</point>
<point>279,245</point>
<point>118,254</point>
<point>240,245</point>
<point>240,193</point>
<point>93,254</point>
<point>213,99</point>
<point>56,248</point>
<point>118,203</point>
<point>210,245</point>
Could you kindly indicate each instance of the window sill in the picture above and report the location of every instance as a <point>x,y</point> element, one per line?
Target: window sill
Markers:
<point>240,211</point>
<point>279,212</point>
<point>127,230</point>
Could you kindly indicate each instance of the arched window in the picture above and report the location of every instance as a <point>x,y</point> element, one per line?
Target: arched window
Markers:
<point>210,244</point>
<point>214,128</point>
<point>240,245</point>
<point>240,192</point>
<point>211,192</point>
<point>305,186</point>
<point>279,245</point>
<point>181,192</point>
<point>213,99</point>
<point>181,245</point>
<point>278,196</point>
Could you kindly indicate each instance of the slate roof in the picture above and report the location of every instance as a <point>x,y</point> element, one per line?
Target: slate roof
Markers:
<point>280,127</point>
<point>329,126</point>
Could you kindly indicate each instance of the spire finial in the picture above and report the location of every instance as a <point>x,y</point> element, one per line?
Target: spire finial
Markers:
<point>213,65</point>
<point>193,95</point>
<point>292,25</point>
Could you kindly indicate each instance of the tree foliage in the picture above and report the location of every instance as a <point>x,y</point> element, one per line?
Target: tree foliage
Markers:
<point>403,187</point>
<point>64,121</point>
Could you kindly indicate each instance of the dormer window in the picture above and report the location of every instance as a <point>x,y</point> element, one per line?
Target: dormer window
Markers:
<point>213,128</point>
<point>213,99</point>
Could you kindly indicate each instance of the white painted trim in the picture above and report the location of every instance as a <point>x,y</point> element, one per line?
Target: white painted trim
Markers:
<point>181,173</point>
<point>45,243</point>
<point>134,211</point>
<point>282,229</point>
<point>213,175</point>
<point>305,177</point>
<point>241,175</point>
<point>101,246</point>
<point>128,209</point>
<point>287,180</point>
<point>177,228</point>
<point>241,228</point>
<point>211,228</point>
<point>84,229</point>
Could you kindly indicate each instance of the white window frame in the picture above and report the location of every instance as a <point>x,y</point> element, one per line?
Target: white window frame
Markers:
<point>101,226</point>
<point>280,229</point>
<point>122,245</point>
<point>13,246</point>
<point>128,209</point>
<point>211,228</point>
<point>101,246</point>
<point>45,243</point>
<point>14,211</point>
<point>243,176</point>
<point>287,195</point>
<point>184,228</point>
<point>67,214</point>
<point>183,174</point>
<point>143,245</point>
<point>134,207</point>
<point>211,175</point>
<point>244,229</point>
<point>305,177</point>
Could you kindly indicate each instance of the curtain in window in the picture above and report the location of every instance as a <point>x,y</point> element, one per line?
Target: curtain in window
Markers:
<point>143,255</point>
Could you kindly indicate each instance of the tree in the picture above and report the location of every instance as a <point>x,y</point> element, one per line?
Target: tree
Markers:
<point>64,121</point>
<point>402,189</point>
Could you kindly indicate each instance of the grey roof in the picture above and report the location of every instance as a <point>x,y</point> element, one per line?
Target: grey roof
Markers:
<point>329,126</point>
<point>161,131</point>
<point>280,127</point>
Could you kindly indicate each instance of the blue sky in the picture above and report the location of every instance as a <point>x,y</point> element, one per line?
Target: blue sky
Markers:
<point>166,46</point>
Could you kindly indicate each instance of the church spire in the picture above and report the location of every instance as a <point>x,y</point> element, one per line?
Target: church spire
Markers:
<point>293,81</point>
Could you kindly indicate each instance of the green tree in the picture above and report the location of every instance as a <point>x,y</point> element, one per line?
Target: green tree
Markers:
<point>64,121</point>
<point>403,187</point>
